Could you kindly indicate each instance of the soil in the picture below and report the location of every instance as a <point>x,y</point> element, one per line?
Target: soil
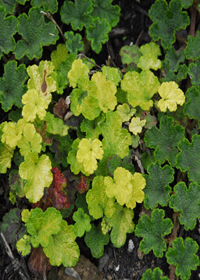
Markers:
<point>116,263</point>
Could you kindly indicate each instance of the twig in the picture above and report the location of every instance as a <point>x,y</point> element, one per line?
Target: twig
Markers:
<point>49,16</point>
<point>81,54</point>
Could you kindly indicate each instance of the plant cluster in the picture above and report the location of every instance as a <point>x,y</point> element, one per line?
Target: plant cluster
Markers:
<point>124,137</point>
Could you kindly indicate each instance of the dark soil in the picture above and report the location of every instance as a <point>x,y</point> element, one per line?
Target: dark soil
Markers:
<point>116,264</point>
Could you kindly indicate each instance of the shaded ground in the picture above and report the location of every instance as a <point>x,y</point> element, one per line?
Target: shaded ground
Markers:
<point>116,264</point>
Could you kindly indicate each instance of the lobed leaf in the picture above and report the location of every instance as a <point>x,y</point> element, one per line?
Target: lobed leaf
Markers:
<point>48,5</point>
<point>82,222</point>
<point>191,108</point>
<point>136,125</point>
<point>156,274</point>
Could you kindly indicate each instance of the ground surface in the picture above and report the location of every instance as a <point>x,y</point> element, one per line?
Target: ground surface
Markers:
<point>116,264</point>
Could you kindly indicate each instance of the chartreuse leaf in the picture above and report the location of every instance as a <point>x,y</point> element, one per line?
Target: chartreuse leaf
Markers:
<point>23,245</point>
<point>191,108</point>
<point>59,55</point>
<point>152,230</point>
<point>104,9</point>
<point>98,202</point>
<point>33,28</point>
<point>136,125</point>
<point>77,14</point>
<point>171,96</point>
<point>6,154</point>
<point>121,223</point>
<point>157,189</point>
<point>88,153</point>
<point>12,85</point>
<point>149,59</point>
<point>182,255</point>
<point>48,6</point>
<point>96,240</point>
<point>55,125</point>
<point>116,140</point>
<point>156,274</point>
<point>112,74</point>
<point>193,71</point>
<point>167,20</point>
<point>82,222</point>
<point>78,73</point>
<point>74,42</point>
<point>8,29</point>
<point>92,128</point>
<point>41,80</point>
<point>37,172</point>
<point>125,112</point>
<point>62,248</point>
<point>188,158</point>
<point>30,141</point>
<point>141,88</point>
<point>97,33</point>
<point>34,105</point>
<point>192,51</point>
<point>187,201</point>
<point>165,139</point>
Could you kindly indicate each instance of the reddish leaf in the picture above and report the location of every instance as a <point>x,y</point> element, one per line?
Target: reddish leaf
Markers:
<point>83,183</point>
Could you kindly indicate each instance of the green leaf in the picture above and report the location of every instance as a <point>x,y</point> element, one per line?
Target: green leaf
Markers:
<point>149,59</point>
<point>156,274</point>
<point>186,200</point>
<point>96,240</point>
<point>35,34</point>
<point>174,58</point>
<point>74,42</point>
<point>115,161</point>
<point>16,183</point>
<point>121,223</point>
<point>97,33</point>
<point>157,189</point>
<point>12,86</point>
<point>193,71</point>
<point>37,172</point>
<point>48,5</point>
<point>104,9</point>
<point>192,50</point>
<point>98,202</point>
<point>8,29</point>
<point>152,230</point>
<point>82,222</point>
<point>130,54</point>
<point>77,14</point>
<point>12,226</point>
<point>167,20</point>
<point>62,248</point>
<point>23,245</point>
<point>141,88</point>
<point>10,6</point>
<point>59,55</point>
<point>165,139</point>
<point>92,128</point>
<point>55,125</point>
<point>183,257</point>
<point>112,74</point>
<point>187,3</point>
<point>188,158</point>
<point>191,108</point>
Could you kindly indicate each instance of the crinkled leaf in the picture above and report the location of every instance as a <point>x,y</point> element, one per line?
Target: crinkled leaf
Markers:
<point>149,59</point>
<point>55,125</point>
<point>170,75</point>
<point>191,108</point>
<point>8,29</point>
<point>187,201</point>
<point>150,121</point>
<point>104,9</point>
<point>97,33</point>
<point>115,161</point>
<point>174,58</point>
<point>74,42</point>
<point>92,128</point>
<point>62,248</point>
<point>41,80</point>
<point>187,3</point>
<point>167,20</point>
<point>82,222</point>
<point>125,112</point>
<point>156,274</point>
<point>23,245</point>
<point>147,227</point>
<point>165,139</point>
<point>182,255</point>
<point>12,227</point>
<point>10,6</point>
<point>98,202</point>
<point>33,28</point>
<point>112,74</point>
<point>157,189</point>
<point>188,159</point>
<point>12,85</point>
<point>192,51</point>
<point>141,88</point>
<point>130,54</point>
<point>48,5</point>
<point>171,96</point>
<point>37,172</point>
<point>77,14</point>
<point>194,72</point>
<point>96,240</point>
<point>136,125</point>
<point>121,223</point>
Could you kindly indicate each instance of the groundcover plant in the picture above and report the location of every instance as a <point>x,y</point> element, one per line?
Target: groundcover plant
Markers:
<point>84,144</point>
